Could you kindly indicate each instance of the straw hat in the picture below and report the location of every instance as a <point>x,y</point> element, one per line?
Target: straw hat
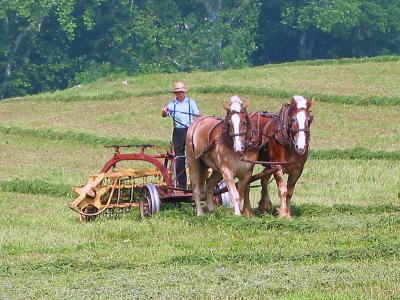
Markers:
<point>178,86</point>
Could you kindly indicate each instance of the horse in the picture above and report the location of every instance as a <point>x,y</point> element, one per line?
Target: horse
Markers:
<point>220,144</point>
<point>285,140</point>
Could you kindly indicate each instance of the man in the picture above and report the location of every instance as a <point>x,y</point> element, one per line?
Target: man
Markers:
<point>183,111</point>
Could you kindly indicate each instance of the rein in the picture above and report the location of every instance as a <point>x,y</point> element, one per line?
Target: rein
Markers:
<point>259,141</point>
<point>248,132</point>
<point>177,122</point>
<point>182,112</point>
<point>284,133</point>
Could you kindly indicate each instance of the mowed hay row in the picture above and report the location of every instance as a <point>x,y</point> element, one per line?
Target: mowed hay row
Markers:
<point>138,119</point>
<point>326,182</point>
<point>372,78</point>
<point>57,161</point>
<point>341,244</point>
<point>342,182</point>
<point>326,253</point>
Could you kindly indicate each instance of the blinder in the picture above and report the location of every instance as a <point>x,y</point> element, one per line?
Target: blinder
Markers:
<point>246,132</point>
<point>286,133</point>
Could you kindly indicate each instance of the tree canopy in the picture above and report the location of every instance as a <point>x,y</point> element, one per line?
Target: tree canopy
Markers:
<point>48,44</point>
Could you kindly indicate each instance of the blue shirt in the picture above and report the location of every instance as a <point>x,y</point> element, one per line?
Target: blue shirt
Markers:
<point>183,113</point>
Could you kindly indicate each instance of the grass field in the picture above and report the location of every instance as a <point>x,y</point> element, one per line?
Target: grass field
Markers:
<point>343,242</point>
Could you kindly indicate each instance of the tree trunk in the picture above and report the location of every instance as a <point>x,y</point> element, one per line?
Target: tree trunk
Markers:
<point>306,45</point>
<point>212,9</point>
<point>10,59</point>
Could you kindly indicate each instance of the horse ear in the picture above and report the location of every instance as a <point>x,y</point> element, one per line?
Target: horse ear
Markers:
<point>310,102</point>
<point>227,107</point>
<point>245,104</point>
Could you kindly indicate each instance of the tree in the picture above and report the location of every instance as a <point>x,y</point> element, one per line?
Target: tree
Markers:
<point>170,36</point>
<point>377,31</point>
<point>48,43</point>
<point>22,21</point>
<point>292,30</point>
<point>326,16</point>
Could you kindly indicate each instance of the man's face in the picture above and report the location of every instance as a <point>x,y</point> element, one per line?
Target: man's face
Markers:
<point>180,95</point>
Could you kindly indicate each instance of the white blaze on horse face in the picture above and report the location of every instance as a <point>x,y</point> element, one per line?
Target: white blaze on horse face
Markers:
<point>300,101</point>
<point>301,135</point>
<point>237,144</point>
<point>236,107</point>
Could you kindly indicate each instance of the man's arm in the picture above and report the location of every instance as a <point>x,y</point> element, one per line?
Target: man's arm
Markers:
<point>195,109</point>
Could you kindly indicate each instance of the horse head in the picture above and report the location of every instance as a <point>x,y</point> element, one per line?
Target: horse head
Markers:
<point>237,123</point>
<point>299,120</point>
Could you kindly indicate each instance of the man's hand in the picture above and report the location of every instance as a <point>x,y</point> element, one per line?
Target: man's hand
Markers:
<point>164,111</point>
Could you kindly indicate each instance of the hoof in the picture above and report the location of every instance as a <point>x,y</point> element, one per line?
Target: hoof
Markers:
<point>237,213</point>
<point>265,207</point>
<point>200,213</point>
<point>285,215</point>
<point>210,209</point>
<point>247,212</point>
<point>262,210</point>
<point>207,210</point>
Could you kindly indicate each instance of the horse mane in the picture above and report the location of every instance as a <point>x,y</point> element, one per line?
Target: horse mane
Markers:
<point>282,131</point>
<point>268,114</point>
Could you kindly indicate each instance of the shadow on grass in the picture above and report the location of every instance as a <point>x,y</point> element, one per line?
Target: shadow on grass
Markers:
<point>188,209</point>
<point>223,216</point>
<point>320,210</point>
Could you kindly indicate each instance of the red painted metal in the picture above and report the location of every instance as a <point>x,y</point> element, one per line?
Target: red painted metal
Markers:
<point>153,159</point>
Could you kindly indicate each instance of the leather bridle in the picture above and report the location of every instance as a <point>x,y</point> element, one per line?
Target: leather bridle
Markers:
<point>245,132</point>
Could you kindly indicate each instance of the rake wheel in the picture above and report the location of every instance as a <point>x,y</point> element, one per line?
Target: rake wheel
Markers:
<point>90,209</point>
<point>149,201</point>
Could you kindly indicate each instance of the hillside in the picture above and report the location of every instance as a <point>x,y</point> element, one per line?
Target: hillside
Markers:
<point>52,141</point>
<point>357,104</point>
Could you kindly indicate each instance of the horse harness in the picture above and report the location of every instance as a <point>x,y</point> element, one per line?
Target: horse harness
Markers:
<point>250,142</point>
<point>208,146</point>
<point>258,130</point>
<point>225,130</point>
<point>284,133</point>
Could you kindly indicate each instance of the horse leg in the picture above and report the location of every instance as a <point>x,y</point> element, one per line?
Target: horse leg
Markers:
<point>203,194</point>
<point>282,193</point>
<point>265,204</point>
<point>212,181</point>
<point>246,201</point>
<point>291,183</point>
<point>198,175</point>
<point>233,192</point>
<point>244,193</point>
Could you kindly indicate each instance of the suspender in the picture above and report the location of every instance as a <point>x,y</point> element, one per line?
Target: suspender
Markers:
<point>173,117</point>
<point>190,114</point>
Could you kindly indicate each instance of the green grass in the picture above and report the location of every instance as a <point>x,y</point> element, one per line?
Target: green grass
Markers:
<point>36,186</point>
<point>343,242</point>
<point>342,251</point>
<point>355,153</point>
<point>374,77</point>
<point>335,126</point>
<point>55,161</point>
<point>81,137</point>
<point>70,162</point>
<point>340,99</point>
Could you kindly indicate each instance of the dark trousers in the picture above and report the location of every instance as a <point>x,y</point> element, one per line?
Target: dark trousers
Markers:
<point>178,140</point>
